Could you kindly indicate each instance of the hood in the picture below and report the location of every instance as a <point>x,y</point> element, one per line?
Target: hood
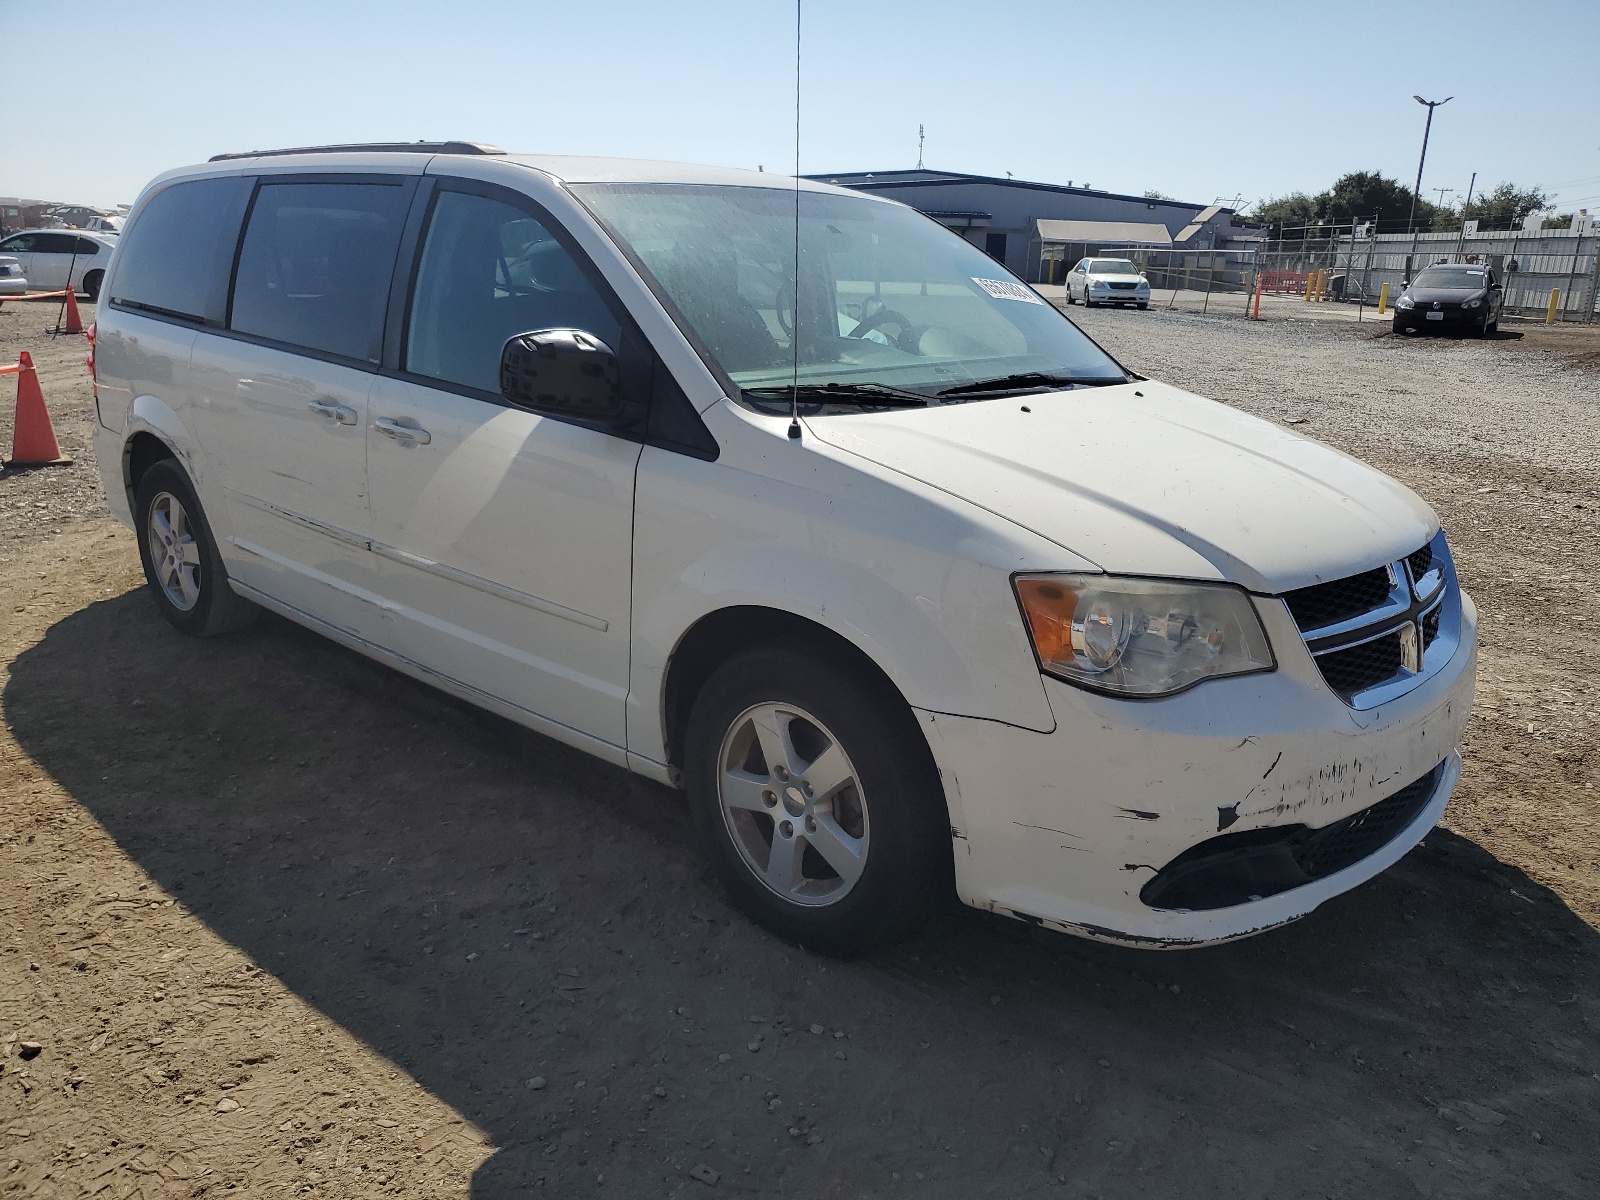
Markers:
<point>1099,278</point>
<point>1145,479</point>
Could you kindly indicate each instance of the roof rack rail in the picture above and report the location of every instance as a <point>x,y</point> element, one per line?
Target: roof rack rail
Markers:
<point>373,147</point>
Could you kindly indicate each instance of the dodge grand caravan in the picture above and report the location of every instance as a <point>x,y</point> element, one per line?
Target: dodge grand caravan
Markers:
<point>840,529</point>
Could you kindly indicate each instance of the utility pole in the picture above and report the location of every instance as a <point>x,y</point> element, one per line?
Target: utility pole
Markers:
<point>1466,204</point>
<point>921,133</point>
<point>1443,192</point>
<point>1417,190</point>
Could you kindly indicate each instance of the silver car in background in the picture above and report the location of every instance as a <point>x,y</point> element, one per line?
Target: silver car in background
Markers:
<point>13,279</point>
<point>1107,281</point>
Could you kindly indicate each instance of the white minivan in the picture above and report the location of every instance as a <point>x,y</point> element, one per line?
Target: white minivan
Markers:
<point>786,496</point>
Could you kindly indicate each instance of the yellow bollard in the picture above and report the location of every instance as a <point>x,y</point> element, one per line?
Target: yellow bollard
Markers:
<point>1383,299</point>
<point>1310,278</point>
<point>1550,313</point>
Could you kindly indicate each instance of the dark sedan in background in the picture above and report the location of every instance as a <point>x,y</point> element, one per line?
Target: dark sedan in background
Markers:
<point>1459,297</point>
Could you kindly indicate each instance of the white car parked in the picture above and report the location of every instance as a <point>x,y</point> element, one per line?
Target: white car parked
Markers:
<point>13,279</point>
<point>905,582</point>
<point>1107,281</point>
<point>47,256</point>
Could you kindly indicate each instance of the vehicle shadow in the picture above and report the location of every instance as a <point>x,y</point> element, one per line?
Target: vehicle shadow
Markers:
<point>360,836</point>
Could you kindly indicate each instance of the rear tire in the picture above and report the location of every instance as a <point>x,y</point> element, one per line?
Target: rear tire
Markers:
<point>91,284</point>
<point>842,846</point>
<point>179,553</point>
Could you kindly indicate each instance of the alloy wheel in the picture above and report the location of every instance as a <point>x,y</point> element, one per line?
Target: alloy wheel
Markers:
<point>793,804</point>
<point>174,553</point>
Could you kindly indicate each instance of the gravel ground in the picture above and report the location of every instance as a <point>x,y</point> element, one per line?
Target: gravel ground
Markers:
<point>276,920</point>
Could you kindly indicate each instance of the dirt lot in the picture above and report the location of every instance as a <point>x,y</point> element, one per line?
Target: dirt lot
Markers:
<point>285,923</point>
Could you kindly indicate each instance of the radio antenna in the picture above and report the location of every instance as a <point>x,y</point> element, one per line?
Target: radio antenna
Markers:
<point>794,313</point>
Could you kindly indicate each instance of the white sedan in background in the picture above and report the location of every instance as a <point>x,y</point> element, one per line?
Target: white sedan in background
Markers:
<point>48,255</point>
<point>1107,281</point>
<point>13,279</point>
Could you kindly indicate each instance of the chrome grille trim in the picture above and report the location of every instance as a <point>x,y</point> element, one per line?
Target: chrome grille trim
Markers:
<point>1423,608</point>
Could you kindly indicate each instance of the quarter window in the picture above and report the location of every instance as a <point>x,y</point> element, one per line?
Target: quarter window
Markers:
<point>316,263</point>
<point>490,271</point>
<point>176,252</point>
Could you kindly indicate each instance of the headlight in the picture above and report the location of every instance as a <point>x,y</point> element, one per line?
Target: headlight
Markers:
<point>1141,637</point>
<point>1405,302</point>
<point>1472,304</point>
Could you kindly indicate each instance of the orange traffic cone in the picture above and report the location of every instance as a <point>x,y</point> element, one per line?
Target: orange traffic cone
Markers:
<point>33,438</point>
<point>74,323</point>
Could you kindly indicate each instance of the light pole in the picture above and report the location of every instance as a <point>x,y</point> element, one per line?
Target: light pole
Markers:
<point>1416,191</point>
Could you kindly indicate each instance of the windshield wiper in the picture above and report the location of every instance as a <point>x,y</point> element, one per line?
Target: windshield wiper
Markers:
<point>1027,381</point>
<point>873,394</point>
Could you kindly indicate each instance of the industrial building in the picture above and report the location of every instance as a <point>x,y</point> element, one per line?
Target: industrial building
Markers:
<point>1039,230</point>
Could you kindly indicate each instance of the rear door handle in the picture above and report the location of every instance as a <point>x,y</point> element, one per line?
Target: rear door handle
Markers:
<point>389,427</point>
<point>340,413</point>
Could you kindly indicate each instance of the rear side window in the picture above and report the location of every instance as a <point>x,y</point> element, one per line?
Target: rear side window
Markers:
<point>54,243</point>
<point>490,271</point>
<point>316,263</point>
<point>176,253</point>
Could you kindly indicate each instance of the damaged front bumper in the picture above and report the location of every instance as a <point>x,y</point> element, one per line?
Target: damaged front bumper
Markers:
<point>1183,821</point>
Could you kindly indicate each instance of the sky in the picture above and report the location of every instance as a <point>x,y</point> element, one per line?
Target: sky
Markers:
<point>1203,102</point>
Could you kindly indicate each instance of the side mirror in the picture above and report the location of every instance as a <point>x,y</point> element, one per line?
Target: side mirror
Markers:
<point>563,372</point>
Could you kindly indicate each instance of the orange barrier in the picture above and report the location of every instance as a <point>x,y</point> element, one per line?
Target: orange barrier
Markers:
<point>35,296</point>
<point>33,437</point>
<point>1255,311</point>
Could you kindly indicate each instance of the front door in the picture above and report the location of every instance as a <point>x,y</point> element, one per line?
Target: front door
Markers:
<point>282,403</point>
<point>52,259</point>
<point>504,537</point>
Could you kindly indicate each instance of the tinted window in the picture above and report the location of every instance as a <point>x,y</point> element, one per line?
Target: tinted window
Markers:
<point>21,244</point>
<point>87,249</point>
<point>490,271</point>
<point>177,251</point>
<point>54,243</point>
<point>316,263</point>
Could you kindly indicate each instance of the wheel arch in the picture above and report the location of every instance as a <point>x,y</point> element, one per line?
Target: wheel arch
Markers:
<point>724,633</point>
<point>139,453</point>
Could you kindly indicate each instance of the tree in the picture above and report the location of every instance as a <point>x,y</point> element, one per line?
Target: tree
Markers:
<point>1152,194</point>
<point>1505,206</point>
<point>1354,197</point>
<point>1285,212</point>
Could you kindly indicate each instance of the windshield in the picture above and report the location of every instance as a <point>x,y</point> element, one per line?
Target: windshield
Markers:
<point>1451,277</point>
<point>1112,266</point>
<point>886,296</point>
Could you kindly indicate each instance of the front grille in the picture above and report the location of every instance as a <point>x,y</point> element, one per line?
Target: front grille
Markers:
<point>1359,667</point>
<point>1124,287</point>
<point>1430,628</point>
<point>1324,604</point>
<point>1235,868</point>
<point>1420,560</point>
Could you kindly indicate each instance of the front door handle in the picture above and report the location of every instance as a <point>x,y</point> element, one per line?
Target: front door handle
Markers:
<point>411,434</point>
<point>342,414</point>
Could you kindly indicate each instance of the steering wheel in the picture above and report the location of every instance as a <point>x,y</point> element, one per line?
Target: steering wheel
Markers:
<point>882,317</point>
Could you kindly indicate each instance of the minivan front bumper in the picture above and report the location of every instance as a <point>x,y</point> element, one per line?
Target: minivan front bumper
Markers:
<point>1067,829</point>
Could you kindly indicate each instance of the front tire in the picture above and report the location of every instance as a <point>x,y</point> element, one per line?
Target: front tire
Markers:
<point>1142,307</point>
<point>179,553</point>
<point>816,800</point>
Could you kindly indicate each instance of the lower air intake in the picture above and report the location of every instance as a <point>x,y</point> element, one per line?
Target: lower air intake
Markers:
<point>1239,867</point>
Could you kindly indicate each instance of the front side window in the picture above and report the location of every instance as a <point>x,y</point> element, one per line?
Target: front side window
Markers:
<point>22,243</point>
<point>886,296</point>
<point>490,271</point>
<point>178,248</point>
<point>316,264</point>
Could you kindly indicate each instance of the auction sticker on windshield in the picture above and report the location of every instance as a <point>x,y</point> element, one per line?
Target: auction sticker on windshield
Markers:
<point>1000,289</point>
